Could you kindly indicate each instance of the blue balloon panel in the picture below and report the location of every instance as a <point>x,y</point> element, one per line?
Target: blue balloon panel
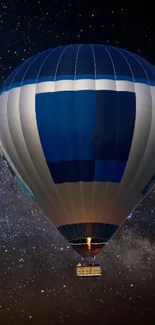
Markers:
<point>86,135</point>
<point>86,171</point>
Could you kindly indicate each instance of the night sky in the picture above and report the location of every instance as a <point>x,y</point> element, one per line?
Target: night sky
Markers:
<point>38,284</point>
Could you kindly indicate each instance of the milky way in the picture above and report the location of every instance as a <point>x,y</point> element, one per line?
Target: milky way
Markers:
<point>37,275</point>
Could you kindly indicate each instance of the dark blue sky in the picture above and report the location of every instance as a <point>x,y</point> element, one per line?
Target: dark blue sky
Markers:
<point>28,27</point>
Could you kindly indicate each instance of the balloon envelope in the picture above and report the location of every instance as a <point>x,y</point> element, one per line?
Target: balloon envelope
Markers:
<point>77,127</point>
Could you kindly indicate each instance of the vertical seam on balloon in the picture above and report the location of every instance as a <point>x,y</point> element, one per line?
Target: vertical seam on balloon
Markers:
<point>135,57</point>
<point>12,73</point>
<point>94,182</point>
<point>18,69</point>
<point>27,176</point>
<point>76,61</point>
<point>105,47</point>
<point>121,183</point>
<point>75,72</point>
<point>69,193</point>
<point>148,64</point>
<point>132,184</point>
<point>58,63</point>
<point>135,96</point>
<point>21,66</point>
<point>56,190</point>
<point>112,62</point>
<point>34,166</point>
<point>75,69</point>
<point>22,128</point>
<point>127,63</point>
<point>49,54</point>
<point>38,135</point>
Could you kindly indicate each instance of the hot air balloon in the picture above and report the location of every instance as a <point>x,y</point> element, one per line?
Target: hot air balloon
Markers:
<point>77,127</point>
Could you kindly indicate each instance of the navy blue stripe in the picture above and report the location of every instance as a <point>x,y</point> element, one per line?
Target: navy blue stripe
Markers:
<point>79,77</point>
<point>80,231</point>
<point>86,171</point>
<point>72,171</point>
<point>71,77</point>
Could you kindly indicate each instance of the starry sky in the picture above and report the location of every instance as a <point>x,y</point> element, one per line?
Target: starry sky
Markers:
<point>38,284</point>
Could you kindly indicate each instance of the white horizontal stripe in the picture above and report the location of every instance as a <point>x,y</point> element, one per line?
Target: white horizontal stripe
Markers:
<point>86,84</point>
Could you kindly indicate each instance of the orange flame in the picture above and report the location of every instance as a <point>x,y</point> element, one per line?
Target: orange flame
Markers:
<point>89,243</point>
